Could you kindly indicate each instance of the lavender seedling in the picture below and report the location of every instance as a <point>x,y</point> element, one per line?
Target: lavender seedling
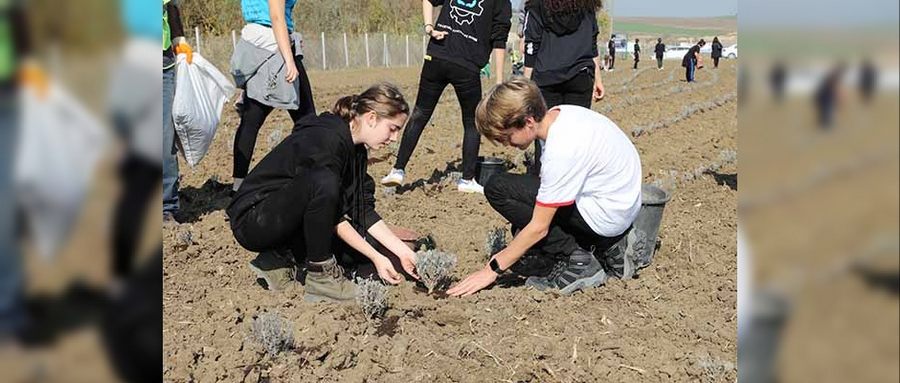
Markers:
<point>434,268</point>
<point>273,333</point>
<point>495,241</point>
<point>372,297</point>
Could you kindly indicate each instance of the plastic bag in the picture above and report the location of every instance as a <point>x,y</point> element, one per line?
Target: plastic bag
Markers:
<point>200,93</point>
<point>59,146</point>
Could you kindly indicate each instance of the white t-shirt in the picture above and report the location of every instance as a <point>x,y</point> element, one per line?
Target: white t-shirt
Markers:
<point>590,162</point>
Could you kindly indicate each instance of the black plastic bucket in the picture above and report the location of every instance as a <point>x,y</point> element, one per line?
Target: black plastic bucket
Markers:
<point>487,168</point>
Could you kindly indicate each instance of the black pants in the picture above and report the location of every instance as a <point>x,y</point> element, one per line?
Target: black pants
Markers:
<point>140,179</point>
<point>659,62</point>
<point>636,61</point>
<point>577,91</point>
<point>612,60</point>
<point>436,74</point>
<point>301,215</point>
<point>716,62</point>
<point>253,115</point>
<point>513,196</point>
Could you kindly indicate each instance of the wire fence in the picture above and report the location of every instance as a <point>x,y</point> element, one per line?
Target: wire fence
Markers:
<point>323,51</point>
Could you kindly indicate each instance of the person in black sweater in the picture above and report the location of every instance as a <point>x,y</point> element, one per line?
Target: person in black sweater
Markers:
<point>462,40</point>
<point>313,186</point>
<point>660,51</point>
<point>561,54</point>
<point>611,48</point>
<point>692,60</point>
<point>716,52</point>
<point>637,52</point>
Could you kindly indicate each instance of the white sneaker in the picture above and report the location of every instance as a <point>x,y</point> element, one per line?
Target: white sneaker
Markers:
<point>469,186</point>
<point>394,178</point>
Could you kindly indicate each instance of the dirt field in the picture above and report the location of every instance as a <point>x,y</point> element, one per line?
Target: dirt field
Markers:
<point>674,323</point>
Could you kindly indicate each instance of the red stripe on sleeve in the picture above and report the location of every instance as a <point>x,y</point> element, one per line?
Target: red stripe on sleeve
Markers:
<point>557,204</point>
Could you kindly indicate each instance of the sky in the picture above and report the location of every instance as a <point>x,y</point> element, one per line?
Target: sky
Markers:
<point>673,8</point>
<point>668,8</point>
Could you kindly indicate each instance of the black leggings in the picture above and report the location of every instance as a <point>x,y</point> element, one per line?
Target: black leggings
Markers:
<point>140,180</point>
<point>514,195</point>
<point>301,215</point>
<point>253,115</point>
<point>577,91</point>
<point>436,74</point>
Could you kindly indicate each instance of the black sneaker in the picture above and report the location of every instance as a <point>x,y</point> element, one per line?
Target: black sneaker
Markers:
<point>581,271</point>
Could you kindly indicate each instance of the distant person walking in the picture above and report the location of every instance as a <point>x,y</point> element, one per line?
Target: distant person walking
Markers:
<point>868,80</point>
<point>637,52</point>
<point>660,51</point>
<point>827,96</point>
<point>716,51</point>
<point>692,61</point>
<point>611,47</point>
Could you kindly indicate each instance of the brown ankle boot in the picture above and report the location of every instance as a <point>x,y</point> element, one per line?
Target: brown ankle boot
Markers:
<point>325,281</point>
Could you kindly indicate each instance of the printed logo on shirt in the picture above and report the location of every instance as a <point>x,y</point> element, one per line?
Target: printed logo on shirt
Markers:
<point>529,48</point>
<point>464,11</point>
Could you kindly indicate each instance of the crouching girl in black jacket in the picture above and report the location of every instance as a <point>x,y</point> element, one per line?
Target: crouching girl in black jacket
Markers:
<point>314,185</point>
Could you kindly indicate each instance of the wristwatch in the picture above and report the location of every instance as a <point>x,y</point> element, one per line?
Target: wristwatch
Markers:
<point>495,267</point>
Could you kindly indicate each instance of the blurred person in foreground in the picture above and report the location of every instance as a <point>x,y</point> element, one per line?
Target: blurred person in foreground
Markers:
<point>174,43</point>
<point>135,107</point>
<point>692,61</point>
<point>15,70</point>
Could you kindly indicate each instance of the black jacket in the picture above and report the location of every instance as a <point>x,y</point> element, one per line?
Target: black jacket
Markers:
<point>559,47</point>
<point>317,142</point>
<point>716,49</point>
<point>474,28</point>
<point>689,56</point>
<point>660,50</point>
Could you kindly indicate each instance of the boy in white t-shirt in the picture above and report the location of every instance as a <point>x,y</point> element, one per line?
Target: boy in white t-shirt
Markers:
<point>587,196</point>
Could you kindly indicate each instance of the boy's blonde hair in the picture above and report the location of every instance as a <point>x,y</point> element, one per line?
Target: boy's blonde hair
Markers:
<point>507,106</point>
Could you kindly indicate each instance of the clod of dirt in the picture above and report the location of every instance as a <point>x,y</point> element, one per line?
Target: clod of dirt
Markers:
<point>388,326</point>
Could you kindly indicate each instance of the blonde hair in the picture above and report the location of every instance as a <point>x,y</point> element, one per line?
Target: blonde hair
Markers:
<point>384,99</point>
<point>507,106</point>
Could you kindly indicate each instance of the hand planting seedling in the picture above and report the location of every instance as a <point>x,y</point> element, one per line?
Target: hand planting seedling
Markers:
<point>434,268</point>
<point>372,297</point>
<point>273,333</point>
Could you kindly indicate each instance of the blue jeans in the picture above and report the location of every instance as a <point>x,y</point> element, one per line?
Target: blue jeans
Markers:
<point>170,161</point>
<point>11,278</point>
<point>689,71</point>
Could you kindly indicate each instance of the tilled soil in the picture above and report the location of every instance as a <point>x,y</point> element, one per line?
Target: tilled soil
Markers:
<point>675,322</point>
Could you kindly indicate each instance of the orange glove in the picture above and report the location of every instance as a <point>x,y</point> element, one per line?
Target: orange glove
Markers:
<point>183,47</point>
<point>33,76</point>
